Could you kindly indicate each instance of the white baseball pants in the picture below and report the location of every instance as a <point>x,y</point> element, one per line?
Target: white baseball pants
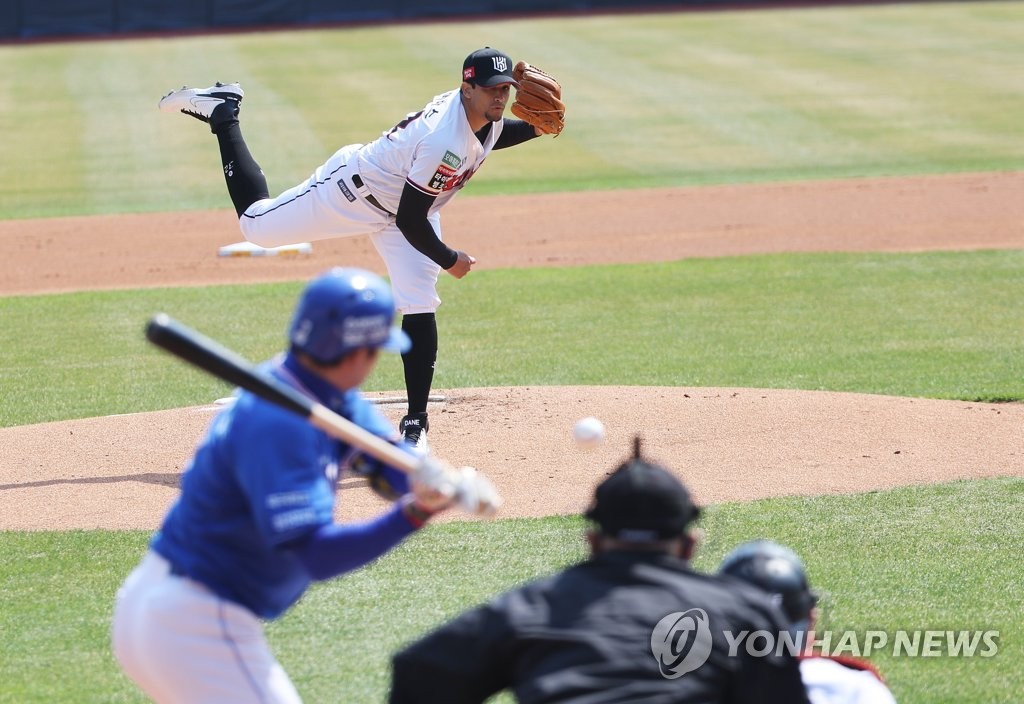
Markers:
<point>329,205</point>
<point>181,643</point>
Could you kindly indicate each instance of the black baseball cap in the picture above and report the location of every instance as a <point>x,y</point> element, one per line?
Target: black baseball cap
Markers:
<point>641,502</point>
<point>488,67</point>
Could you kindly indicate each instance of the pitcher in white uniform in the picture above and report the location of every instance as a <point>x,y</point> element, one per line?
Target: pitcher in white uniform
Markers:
<point>391,189</point>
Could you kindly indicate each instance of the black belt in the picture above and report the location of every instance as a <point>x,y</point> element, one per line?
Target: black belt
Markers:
<point>357,181</point>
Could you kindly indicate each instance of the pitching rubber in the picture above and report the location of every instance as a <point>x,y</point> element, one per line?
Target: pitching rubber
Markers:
<point>248,249</point>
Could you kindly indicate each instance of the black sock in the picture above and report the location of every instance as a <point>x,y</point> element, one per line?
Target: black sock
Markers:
<point>418,362</point>
<point>245,179</point>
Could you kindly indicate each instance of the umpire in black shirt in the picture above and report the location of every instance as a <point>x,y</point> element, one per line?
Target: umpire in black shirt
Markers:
<point>633,623</point>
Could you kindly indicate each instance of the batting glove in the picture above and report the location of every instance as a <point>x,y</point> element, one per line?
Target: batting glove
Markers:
<point>476,494</point>
<point>434,484</point>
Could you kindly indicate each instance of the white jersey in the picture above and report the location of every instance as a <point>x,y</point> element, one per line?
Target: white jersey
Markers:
<point>434,150</point>
<point>830,682</point>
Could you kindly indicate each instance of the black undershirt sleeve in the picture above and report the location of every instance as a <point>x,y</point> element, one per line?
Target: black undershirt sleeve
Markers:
<point>411,219</point>
<point>514,132</point>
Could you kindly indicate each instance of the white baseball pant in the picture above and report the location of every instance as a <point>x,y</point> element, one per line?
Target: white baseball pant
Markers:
<point>181,643</point>
<point>329,205</point>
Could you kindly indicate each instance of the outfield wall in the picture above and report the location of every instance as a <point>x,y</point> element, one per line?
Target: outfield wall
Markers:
<point>38,19</point>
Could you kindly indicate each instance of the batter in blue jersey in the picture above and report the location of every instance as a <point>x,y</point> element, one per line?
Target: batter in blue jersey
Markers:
<point>254,526</point>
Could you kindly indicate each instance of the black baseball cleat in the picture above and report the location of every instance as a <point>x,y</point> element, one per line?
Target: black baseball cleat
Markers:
<point>201,102</point>
<point>414,429</point>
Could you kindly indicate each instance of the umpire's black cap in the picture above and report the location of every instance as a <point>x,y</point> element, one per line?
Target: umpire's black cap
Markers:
<point>642,502</point>
<point>488,67</point>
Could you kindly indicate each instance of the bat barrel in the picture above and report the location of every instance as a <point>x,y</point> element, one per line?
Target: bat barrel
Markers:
<point>210,356</point>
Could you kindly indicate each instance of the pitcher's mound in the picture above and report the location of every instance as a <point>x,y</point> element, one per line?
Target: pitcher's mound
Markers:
<point>726,444</point>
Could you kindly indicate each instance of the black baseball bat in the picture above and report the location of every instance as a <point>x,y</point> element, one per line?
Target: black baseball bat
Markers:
<point>211,356</point>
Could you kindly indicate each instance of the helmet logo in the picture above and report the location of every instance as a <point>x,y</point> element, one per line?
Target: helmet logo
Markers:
<point>341,311</point>
<point>300,336</point>
<point>368,331</point>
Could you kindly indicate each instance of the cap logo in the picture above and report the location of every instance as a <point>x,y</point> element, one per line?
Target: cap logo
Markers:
<point>500,64</point>
<point>468,73</point>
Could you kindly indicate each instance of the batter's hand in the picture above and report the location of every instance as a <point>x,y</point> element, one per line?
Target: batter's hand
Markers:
<point>476,494</point>
<point>434,484</point>
<point>462,265</point>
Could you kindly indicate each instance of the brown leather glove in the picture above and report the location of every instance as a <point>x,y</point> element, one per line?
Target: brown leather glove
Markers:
<point>538,99</point>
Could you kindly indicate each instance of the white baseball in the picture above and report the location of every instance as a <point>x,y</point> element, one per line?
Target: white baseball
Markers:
<point>588,432</point>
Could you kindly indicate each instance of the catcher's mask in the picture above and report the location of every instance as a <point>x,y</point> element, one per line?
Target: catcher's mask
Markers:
<point>343,310</point>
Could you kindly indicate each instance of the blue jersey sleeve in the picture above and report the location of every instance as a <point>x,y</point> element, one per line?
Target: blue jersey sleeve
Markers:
<point>336,549</point>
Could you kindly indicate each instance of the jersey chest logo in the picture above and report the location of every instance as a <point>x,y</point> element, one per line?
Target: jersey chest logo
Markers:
<point>445,175</point>
<point>451,159</point>
<point>461,180</point>
<point>439,181</point>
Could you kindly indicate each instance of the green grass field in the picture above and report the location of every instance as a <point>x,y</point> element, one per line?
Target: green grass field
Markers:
<point>657,99</point>
<point>936,557</point>
<point>766,321</point>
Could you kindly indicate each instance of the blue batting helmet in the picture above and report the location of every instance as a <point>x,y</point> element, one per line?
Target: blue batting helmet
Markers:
<point>777,570</point>
<point>342,310</point>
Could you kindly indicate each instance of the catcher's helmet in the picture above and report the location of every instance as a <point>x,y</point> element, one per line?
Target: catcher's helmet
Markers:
<point>343,310</point>
<point>777,570</point>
